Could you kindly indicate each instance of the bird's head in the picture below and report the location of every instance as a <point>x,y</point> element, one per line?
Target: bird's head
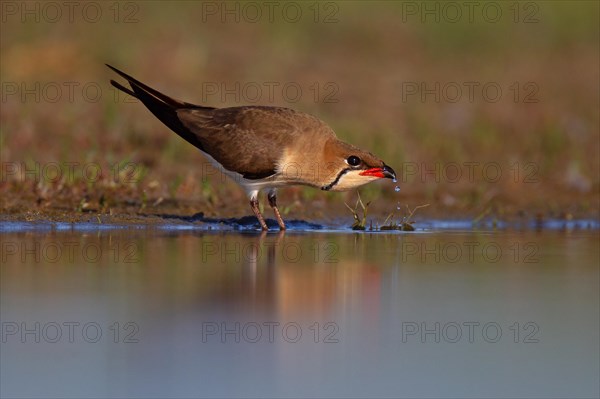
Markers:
<point>349,167</point>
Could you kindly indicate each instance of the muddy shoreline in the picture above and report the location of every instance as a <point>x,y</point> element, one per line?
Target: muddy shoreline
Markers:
<point>132,205</point>
<point>174,219</point>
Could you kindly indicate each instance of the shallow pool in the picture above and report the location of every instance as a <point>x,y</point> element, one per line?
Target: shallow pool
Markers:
<point>172,311</point>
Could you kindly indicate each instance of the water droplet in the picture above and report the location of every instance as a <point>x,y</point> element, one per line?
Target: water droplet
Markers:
<point>395,180</point>
<point>397,189</point>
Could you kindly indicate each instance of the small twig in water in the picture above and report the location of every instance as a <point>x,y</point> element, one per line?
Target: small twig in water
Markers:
<point>405,222</point>
<point>359,224</point>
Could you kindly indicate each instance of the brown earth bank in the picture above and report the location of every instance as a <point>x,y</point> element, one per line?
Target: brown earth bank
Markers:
<point>132,205</point>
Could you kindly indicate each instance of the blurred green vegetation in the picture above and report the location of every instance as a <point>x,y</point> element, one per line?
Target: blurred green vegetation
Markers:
<point>371,52</point>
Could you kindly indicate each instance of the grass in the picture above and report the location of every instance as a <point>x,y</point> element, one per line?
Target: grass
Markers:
<point>402,222</point>
<point>360,221</point>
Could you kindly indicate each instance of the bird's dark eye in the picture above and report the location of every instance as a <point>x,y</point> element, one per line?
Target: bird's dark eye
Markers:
<point>353,160</point>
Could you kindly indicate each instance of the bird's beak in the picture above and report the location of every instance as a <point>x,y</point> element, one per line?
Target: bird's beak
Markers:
<point>389,172</point>
<point>386,171</point>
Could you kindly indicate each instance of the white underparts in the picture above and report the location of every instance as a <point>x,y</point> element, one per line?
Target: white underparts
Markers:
<point>252,187</point>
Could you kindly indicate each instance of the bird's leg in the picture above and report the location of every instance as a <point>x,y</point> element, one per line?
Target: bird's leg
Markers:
<point>272,196</point>
<point>259,216</point>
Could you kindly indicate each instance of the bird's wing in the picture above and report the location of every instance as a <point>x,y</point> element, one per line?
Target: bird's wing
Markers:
<point>162,106</point>
<point>248,140</point>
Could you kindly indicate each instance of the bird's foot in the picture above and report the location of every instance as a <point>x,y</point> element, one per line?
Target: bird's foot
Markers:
<point>259,216</point>
<point>273,203</point>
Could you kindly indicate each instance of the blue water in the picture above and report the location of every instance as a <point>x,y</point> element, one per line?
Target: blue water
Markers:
<point>181,310</point>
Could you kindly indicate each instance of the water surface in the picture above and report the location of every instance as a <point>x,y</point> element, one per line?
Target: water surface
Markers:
<point>173,312</point>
